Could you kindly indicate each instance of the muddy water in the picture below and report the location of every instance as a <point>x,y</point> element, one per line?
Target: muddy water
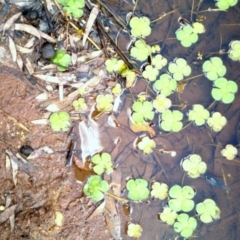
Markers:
<point>220,31</point>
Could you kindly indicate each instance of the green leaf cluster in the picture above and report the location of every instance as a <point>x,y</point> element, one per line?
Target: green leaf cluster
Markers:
<point>59,121</point>
<point>102,163</point>
<point>137,189</point>
<point>134,230</point>
<point>150,73</point>
<point>140,27</point>
<point>159,61</point>
<point>225,4</point>
<point>142,111</point>
<point>194,166</point>
<point>73,7</point>
<point>217,121</point>
<point>208,211</point>
<point>80,104</point>
<point>171,120</point>
<point>224,90</point>
<point>159,190</point>
<point>104,102</point>
<point>168,216</point>
<point>186,36</point>
<point>229,152</point>
<point>166,85</point>
<point>95,188</point>
<point>185,225</point>
<point>179,69</point>
<point>146,145</point>
<point>141,51</point>
<point>198,115</point>
<point>161,103</point>
<point>234,51</point>
<point>181,198</point>
<point>62,59</point>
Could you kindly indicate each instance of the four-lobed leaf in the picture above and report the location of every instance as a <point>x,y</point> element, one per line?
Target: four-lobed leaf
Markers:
<point>146,145</point>
<point>171,120</point>
<point>198,115</point>
<point>140,27</point>
<point>60,121</point>
<point>217,121</point>
<point>229,152</point>
<point>141,51</point>
<point>179,69</point>
<point>73,7</point>
<point>102,163</point>
<point>168,216</point>
<point>62,59</point>
<point>234,51</point>
<point>166,85</point>
<point>142,111</point>
<point>159,190</point>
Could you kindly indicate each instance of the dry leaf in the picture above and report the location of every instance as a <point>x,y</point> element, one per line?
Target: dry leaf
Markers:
<point>40,121</point>
<point>90,22</point>
<point>29,66</point>
<point>12,49</point>
<point>24,50</point>
<point>30,43</point>
<point>19,62</point>
<point>39,152</point>
<point>27,28</point>
<point>11,20</point>
<point>47,78</point>
<point>46,37</point>
<point>14,168</point>
<point>4,216</point>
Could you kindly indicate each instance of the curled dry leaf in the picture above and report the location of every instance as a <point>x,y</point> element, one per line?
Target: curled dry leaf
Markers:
<point>24,50</point>
<point>27,28</point>
<point>11,20</point>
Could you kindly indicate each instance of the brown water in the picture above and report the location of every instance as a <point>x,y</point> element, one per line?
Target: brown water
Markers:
<point>221,28</point>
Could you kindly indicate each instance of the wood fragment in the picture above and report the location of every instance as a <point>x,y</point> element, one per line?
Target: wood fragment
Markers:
<point>12,48</point>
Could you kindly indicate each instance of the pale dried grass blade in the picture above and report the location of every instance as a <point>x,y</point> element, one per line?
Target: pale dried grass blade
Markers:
<point>46,37</point>
<point>19,62</point>
<point>12,48</point>
<point>14,167</point>
<point>91,20</point>
<point>30,43</point>
<point>27,28</point>
<point>4,216</point>
<point>61,92</point>
<point>24,50</point>
<point>11,20</point>
<point>47,78</point>
<point>29,66</point>
<point>40,122</point>
<point>8,163</point>
<point>12,221</point>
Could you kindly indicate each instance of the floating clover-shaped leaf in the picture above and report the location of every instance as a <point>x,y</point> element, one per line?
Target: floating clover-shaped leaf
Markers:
<point>115,65</point>
<point>198,115</point>
<point>194,166</point>
<point>214,68</point>
<point>117,89</point>
<point>225,4</point>
<point>140,51</point>
<point>142,111</point>
<point>137,189</point>
<point>217,122</point>
<point>60,121</point>
<point>229,152</point>
<point>171,121</point>
<point>234,51</point>
<point>182,198</point>
<point>208,211</point>
<point>186,36</point>
<point>150,73</point>
<point>62,60</point>
<point>185,225</point>
<point>179,69</point>
<point>80,105</point>
<point>168,216</point>
<point>73,7</point>
<point>146,145</point>
<point>140,27</point>
<point>134,230</point>
<point>104,102</point>
<point>166,84</point>
<point>159,61</point>
<point>95,188</point>
<point>224,90</point>
<point>198,27</point>
<point>159,190</point>
<point>161,103</point>
<point>102,163</point>
<point>156,48</point>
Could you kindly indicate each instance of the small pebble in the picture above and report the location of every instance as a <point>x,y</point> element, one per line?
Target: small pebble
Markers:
<point>26,150</point>
<point>48,51</point>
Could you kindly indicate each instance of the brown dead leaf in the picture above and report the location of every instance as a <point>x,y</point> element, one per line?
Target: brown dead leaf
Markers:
<point>11,20</point>
<point>19,62</point>
<point>47,78</point>
<point>30,43</point>
<point>12,48</point>
<point>29,66</point>
<point>24,50</point>
<point>46,37</point>
<point>5,215</point>
<point>27,28</point>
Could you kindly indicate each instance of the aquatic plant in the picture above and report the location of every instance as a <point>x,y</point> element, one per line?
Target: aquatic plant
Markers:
<point>159,61</point>
<point>130,76</point>
<point>73,7</point>
<point>198,27</point>
<point>117,89</point>
<point>146,145</point>
<point>214,68</point>
<point>141,51</point>
<point>179,69</point>
<point>168,216</point>
<point>161,103</point>
<point>156,48</point>
<point>224,90</point>
<point>115,65</point>
<point>181,198</point>
<point>142,111</point>
<point>59,121</point>
<point>166,85</point>
<point>137,189</point>
<point>208,211</point>
<point>234,51</point>
<point>217,121</point>
<point>186,36</point>
<point>194,166</point>
<point>62,59</point>
<point>80,104</point>
<point>225,4</point>
<point>134,230</point>
<point>198,114</point>
<point>102,163</point>
<point>104,102</point>
<point>140,27</point>
<point>95,188</point>
<point>185,225</point>
<point>159,190</point>
<point>171,120</point>
<point>229,152</point>
<point>150,73</point>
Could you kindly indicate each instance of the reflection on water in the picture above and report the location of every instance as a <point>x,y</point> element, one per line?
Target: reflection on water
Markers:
<point>162,166</point>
